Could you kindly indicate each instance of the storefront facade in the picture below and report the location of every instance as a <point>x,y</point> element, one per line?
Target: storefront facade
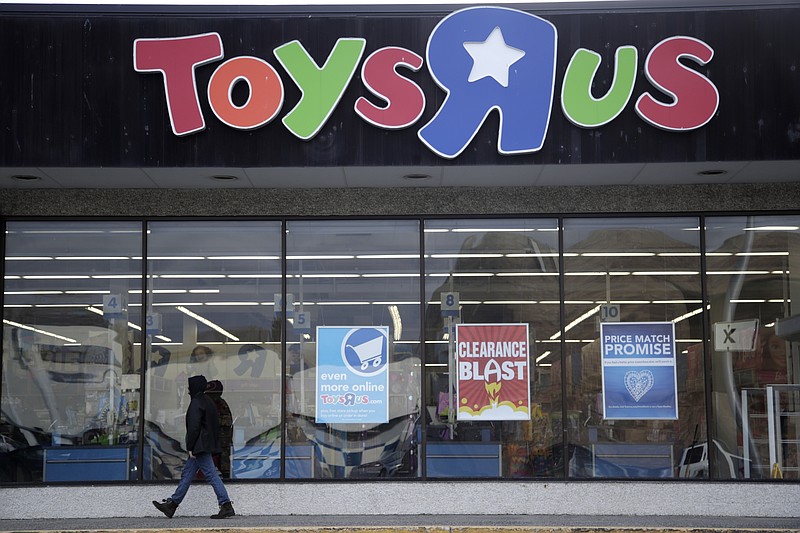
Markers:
<point>437,252</point>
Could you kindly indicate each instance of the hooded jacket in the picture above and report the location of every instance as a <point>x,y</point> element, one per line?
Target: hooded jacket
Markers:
<point>202,421</point>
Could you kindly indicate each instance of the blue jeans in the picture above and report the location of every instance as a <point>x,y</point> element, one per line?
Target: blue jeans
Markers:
<point>205,463</point>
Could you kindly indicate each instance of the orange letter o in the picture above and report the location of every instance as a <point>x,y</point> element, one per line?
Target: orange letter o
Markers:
<point>266,92</point>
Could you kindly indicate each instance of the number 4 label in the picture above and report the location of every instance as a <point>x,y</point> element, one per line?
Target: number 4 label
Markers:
<point>113,305</point>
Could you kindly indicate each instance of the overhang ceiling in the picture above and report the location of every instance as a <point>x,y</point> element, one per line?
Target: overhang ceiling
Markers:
<point>440,176</point>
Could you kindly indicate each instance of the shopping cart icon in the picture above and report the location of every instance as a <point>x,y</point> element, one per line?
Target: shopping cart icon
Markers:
<point>369,352</point>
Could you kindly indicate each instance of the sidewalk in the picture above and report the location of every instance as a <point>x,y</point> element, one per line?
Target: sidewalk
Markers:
<point>414,524</point>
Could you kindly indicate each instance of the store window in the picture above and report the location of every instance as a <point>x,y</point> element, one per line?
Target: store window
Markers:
<point>71,357</point>
<point>353,348</point>
<point>634,351</point>
<point>492,366</point>
<point>336,361</point>
<point>753,265</point>
<point>213,298</point>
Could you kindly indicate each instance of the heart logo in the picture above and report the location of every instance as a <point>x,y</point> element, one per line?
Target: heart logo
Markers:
<point>638,383</point>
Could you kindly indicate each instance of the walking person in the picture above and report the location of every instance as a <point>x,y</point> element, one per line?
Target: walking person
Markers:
<point>202,440</point>
<point>222,460</point>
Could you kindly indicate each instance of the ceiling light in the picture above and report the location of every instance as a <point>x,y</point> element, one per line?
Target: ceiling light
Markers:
<point>688,315</point>
<point>465,256</point>
<point>397,321</point>
<point>91,258</point>
<point>388,256</point>
<point>618,254</point>
<point>773,228</point>
<point>712,172</point>
<point>242,257</point>
<point>35,330</point>
<point>317,257</point>
<point>390,275</point>
<point>207,322</point>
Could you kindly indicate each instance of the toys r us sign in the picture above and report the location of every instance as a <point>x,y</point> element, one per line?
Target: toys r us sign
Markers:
<point>484,58</point>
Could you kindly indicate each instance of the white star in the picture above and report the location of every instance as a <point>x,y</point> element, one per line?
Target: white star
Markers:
<point>493,57</point>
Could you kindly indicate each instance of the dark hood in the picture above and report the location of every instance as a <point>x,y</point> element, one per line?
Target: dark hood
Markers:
<point>197,385</point>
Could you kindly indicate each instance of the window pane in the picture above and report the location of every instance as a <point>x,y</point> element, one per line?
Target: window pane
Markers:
<point>353,282</point>
<point>71,356</point>
<point>501,272</point>
<point>753,265</point>
<point>211,300</point>
<point>642,277</point>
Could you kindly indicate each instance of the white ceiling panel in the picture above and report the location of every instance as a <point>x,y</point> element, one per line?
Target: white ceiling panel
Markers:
<point>100,178</point>
<point>393,176</point>
<point>9,180</point>
<point>296,177</point>
<point>441,176</point>
<point>491,176</point>
<point>609,174</point>
<point>767,171</point>
<point>198,178</point>
<point>688,173</point>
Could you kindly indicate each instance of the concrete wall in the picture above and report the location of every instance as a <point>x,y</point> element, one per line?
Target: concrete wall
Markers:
<point>406,201</point>
<point>424,498</point>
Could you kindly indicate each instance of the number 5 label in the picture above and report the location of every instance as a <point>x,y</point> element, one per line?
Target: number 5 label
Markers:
<point>302,322</point>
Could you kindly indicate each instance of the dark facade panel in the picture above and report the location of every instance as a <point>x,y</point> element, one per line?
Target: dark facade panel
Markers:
<point>69,94</point>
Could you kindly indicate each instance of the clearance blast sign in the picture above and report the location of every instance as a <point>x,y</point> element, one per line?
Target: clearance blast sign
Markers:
<point>493,372</point>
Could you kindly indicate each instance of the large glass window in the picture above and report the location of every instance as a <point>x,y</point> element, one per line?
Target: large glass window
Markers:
<point>334,359</point>
<point>635,394</point>
<point>211,310</point>
<point>753,264</point>
<point>71,357</point>
<point>492,414</point>
<point>353,348</point>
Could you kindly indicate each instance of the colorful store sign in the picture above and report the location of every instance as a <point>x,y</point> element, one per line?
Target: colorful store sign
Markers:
<point>639,372</point>
<point>352,375</point>
<point>493,372</point>
<point>485,59</point>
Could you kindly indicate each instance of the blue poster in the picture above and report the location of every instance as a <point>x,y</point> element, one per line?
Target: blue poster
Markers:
<point>352,375</point>
<point>639,373</point>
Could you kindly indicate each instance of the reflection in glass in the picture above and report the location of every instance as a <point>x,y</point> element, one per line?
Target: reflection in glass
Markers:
<point>502,272</point>
<point>350,277</point>
<point>71,330</point>
<point>631,270</point>
<point>752,279</point>
<point>211,306</point>
<point>75,334</point>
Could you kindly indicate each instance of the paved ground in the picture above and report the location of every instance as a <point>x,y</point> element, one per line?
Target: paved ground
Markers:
<point>413,523</point>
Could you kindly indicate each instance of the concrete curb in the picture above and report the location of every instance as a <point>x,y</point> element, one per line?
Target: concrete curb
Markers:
<point>423,529</point>
<point>498,502</point>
